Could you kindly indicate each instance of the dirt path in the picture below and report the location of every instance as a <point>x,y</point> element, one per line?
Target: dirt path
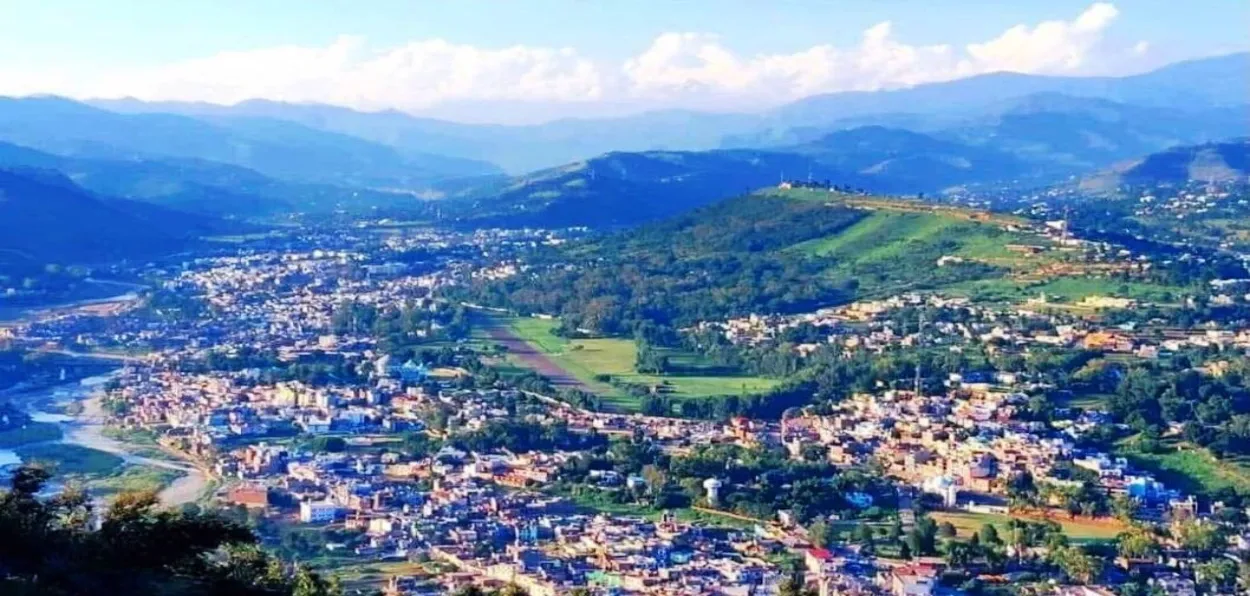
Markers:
<point>527,356</point>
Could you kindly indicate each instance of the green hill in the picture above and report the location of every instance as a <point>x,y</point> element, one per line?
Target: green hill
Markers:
<point>45,218</point>
<point>1211,162</point>
<point>631,188</point>
<point>779,251</point>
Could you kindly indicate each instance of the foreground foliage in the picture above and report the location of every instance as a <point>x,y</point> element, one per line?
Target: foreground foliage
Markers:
<point>52,546</point>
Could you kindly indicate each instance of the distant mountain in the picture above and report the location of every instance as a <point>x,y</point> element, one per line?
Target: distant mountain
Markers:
<point>516,148</point>
<point>46,218</point>
<point>1084,133</point>
<point>198,186</point>
<point>1056,132</point>
<point>275,148</point>
<point>629,188</point>
<point>1211,82</point>
<point>1210,162</point>
<point>900,161</point>
<point>1188,86</point>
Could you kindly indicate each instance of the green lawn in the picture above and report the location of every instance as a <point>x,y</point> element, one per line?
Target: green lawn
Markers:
<point>1190,468</point>
<point>70,459</point>
<point>585,359</point>
<point>1081,530</point>
<point>1073,289</point>
<point>35,432</point>
<point>1069,289</point>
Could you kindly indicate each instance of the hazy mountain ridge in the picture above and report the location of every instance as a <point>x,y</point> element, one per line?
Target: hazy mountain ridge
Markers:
<point>1196,85</point>
<point>624,188</point>
<point>1209,162</point>
<point>276,148</point>
<point>44,217</point>
<point>197,186</point>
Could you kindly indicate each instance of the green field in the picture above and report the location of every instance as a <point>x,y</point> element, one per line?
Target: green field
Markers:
<point>585,359</point>
<point>1073,289</point>
<point>35,432</point>
<point>70,459</point>
<point>1191,468</point>
<point>134,479</point>
<point>1081,530</point>
<point>1068,289</point>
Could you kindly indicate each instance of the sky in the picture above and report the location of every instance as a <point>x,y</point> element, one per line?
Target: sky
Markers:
<point>518,60</point>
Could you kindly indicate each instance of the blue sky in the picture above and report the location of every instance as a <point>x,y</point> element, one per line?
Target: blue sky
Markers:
<point>633,54</point>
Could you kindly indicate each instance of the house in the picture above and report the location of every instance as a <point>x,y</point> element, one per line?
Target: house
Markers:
<point>249,495</point>
<point>913,580</point>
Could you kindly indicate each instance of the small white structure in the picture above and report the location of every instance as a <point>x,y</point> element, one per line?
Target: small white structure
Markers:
<point>712,486</point>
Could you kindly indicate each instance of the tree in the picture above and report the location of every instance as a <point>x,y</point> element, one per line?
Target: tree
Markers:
<point>989,535</point>
<point>1124,508</point>
<point>1077,564</point>
<point>1203,539</point>
<point>50,547</point>
<point>820,533</point>
<point>1138,543</point>
<point>947,530</point>
<point>959,554</point>
<point>1216,574</point>
<point>795,586</point>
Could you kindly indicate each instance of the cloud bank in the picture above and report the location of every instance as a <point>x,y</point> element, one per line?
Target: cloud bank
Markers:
<point>676,69</point>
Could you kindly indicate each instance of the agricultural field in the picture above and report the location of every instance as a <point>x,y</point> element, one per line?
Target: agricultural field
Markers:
<point>1079,529</point>
<point>1064,291</point>
<point>588,360</point>
<point>1191,468</point>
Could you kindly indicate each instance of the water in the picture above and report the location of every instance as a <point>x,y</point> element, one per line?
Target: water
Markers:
<point>8,457</point>
<point>86,430</point>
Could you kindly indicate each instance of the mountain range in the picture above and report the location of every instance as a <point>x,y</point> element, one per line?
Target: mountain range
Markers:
<point>1187,87</point>
<point>273,147</point>
<point>1209,162</point>
<point>261,158</point>
<point>46,218</point>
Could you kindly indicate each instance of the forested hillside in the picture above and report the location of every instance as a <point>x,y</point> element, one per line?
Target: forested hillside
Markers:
<point>762,253</point>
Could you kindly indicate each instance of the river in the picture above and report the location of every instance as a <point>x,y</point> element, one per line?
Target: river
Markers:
<point>87,430</point>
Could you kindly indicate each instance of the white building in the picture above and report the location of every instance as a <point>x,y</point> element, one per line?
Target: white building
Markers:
<point>317,513</point>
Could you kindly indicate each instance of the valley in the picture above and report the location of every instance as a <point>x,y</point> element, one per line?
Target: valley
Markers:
<point>986,336</point>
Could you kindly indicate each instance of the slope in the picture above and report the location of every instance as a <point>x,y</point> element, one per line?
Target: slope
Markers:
<point>779,251</point>
<point>275,148</point>
<point>199,186</point>
<point>46,218</point>
<point>1209,162</point>
<point>630,188</point>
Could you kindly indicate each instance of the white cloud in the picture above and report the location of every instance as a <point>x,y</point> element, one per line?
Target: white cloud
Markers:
<point>412,76</point>
<point>1049,47</point>
<point>1140,48</point>
<point>679,63</point>
<point>678,69</point>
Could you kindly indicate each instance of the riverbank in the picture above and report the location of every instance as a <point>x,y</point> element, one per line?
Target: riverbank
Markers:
<point>183,481</point>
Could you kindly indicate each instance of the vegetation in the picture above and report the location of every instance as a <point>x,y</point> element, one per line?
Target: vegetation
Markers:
<point>612,367</point>
<point>70,459</point>
<point>51,547</point>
